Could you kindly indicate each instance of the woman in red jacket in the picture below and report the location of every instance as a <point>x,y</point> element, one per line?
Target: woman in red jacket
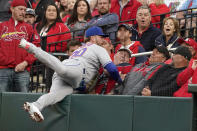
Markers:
<point>52,24</point>
<point>157,7</point>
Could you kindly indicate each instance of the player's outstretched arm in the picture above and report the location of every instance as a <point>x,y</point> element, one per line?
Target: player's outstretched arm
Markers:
<point>113,71</point>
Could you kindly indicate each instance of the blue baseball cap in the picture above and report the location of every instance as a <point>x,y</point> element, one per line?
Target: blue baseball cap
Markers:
<point>94,30</point>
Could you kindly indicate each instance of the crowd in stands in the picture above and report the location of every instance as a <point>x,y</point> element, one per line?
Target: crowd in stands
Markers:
<point>131,28</point>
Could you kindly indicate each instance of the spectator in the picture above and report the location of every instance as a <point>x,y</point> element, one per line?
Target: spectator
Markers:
<point>170,34</point>
<point>30,16</point>
<point>192,45</point>
<point>71,4</point>
<point>144,31</point>
<point>72,46</point>
<point>170,78</point>
<point>135,81</point>
<point>52,24</point>
<point>107,21</point>
<point>41,7</point>
<point>70,73</point>
<point>158,7</point>
<point>125,9</point>
<point>93,7</point>
<point>107,44</point>
<point>124,34</point>
<point>123,55</point>
<point>63,8</point>
<point>15,62</point>
<point>106,84</point>
<point>80,16</point>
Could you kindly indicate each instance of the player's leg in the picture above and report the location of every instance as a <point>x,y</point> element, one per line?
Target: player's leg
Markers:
<point>58,91</point>
<point>70,71</point>
<point>44,57</point>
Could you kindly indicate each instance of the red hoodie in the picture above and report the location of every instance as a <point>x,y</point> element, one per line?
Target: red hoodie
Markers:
<point>10,36</point>
<point>156,10</point>
<point>129,11</point>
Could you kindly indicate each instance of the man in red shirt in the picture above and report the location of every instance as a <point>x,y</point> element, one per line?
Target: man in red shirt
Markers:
<point>125,9</point>
<point>15,62</point>
<point>124,34</point>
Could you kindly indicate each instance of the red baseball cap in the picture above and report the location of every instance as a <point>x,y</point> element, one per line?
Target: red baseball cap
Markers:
<point>15,3</point>
<point>189,42</point>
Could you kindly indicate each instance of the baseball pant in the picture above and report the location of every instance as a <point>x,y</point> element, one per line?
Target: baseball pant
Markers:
<point>68,75</point>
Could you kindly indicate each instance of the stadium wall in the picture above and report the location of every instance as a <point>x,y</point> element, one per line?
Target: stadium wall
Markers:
<point>99,113</point>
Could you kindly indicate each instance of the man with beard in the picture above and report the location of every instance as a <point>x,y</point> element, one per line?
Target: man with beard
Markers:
<point>106,20</point>
<point>15,62</point>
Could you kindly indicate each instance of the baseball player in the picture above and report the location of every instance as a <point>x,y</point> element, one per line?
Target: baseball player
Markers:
<point>84,62</point>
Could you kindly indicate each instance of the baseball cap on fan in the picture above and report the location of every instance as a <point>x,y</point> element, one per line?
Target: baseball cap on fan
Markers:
<point>189,42</point>
<point>183,51</point>
<point>93,31</point>
<point>163,50</point>
<point>15,3</point>
<point>125,49</point>
<point>30,11</point>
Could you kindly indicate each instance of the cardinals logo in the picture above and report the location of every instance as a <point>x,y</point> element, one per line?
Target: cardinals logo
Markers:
<point>17,35</point>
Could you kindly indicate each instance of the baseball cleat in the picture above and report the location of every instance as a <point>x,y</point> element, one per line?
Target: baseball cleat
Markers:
<point>24,44</point>
<point>33,111</point>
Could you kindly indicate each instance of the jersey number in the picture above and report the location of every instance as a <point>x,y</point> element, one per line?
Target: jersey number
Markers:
<point>79,52</point>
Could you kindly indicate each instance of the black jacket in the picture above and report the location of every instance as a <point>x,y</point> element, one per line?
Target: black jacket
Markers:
<point>148,37</point>
<point>161,40</point>
<point>164,81</point>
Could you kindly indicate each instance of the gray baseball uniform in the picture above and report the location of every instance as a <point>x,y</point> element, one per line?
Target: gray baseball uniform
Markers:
<point>68,74</point>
